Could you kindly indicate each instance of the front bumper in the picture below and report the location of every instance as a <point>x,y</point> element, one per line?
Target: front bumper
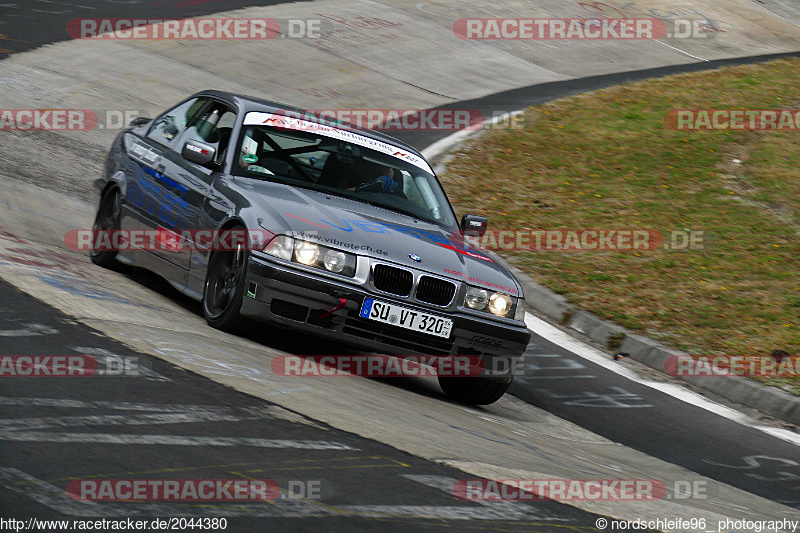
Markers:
<point>301,300</point>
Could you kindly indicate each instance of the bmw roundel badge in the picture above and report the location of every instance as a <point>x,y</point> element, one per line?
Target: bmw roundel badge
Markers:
<point>415,258</point>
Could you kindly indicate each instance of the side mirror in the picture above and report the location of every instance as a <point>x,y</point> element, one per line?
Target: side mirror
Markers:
<point>474,225</point>
<point>198,152</point>
<point>139,121</point>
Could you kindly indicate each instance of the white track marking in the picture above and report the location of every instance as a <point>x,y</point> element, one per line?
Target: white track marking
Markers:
<point>104,357</point>
<point>119,406</point>
<point>773,14</point>
<point>447,512</point>
<point>27,424</point>
<point>56,498</point>
<point>23,429</point>
<point>510,508</point>
<point>556,336</point>
<point>170,440</point>
<point>46,493</point>
<point>30,330</point>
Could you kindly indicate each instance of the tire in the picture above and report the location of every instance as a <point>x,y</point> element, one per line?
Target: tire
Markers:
<point>107,218</point>
<point>224,288</point>
<point>473,390</point>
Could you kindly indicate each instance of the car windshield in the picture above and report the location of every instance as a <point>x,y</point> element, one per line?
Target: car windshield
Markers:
<point>334,161</point>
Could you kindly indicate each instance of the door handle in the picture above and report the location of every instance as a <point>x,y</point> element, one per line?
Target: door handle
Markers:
<point>161,168</point>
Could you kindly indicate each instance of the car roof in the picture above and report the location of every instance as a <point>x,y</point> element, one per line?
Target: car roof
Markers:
<point>250,103</point>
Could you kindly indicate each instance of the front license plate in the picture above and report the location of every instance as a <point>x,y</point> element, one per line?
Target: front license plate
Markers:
<point>406,318</point>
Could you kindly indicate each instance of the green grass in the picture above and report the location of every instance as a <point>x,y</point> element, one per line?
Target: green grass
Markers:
<point>605,160</point>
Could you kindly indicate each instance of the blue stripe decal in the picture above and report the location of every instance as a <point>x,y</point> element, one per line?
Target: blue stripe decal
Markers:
<point>159,176</point>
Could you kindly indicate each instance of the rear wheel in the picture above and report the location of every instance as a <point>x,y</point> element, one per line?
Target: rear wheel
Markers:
<point>224,288</point>
<point>107,219</point>
<point>473,390</point>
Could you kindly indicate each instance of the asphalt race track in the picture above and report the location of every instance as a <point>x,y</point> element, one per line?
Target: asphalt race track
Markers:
<point>384,453</point>
<point>170,422</point>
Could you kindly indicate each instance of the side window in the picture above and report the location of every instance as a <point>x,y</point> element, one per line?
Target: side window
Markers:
<point>171,124</point>
<point>213,126</point>
<point>257,155</point>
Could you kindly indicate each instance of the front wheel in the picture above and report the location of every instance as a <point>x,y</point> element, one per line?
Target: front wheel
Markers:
<point>224,288</point>
<point>473,390</point>
<point>107,220</point>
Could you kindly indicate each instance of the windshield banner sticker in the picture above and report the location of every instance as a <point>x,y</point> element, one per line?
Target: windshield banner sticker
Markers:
<point>281,121</point>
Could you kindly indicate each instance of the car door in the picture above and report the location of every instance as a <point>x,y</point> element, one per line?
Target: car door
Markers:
<point>213,126</point>
<point>158,202</point>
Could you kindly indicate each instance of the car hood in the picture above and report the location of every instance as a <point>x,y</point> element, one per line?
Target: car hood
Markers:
<point>351,225</point>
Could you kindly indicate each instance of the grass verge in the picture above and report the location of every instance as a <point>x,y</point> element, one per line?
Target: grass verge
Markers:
<point>606,160</point>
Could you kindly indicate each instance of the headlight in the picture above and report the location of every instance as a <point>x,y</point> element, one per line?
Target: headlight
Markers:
<point>500,304</point>
<point>306,253</point>
<point>497,303</point>
<point>282,247</point>
<point>334,260</point>
<point>313,255</point>
<point>476,298</point>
